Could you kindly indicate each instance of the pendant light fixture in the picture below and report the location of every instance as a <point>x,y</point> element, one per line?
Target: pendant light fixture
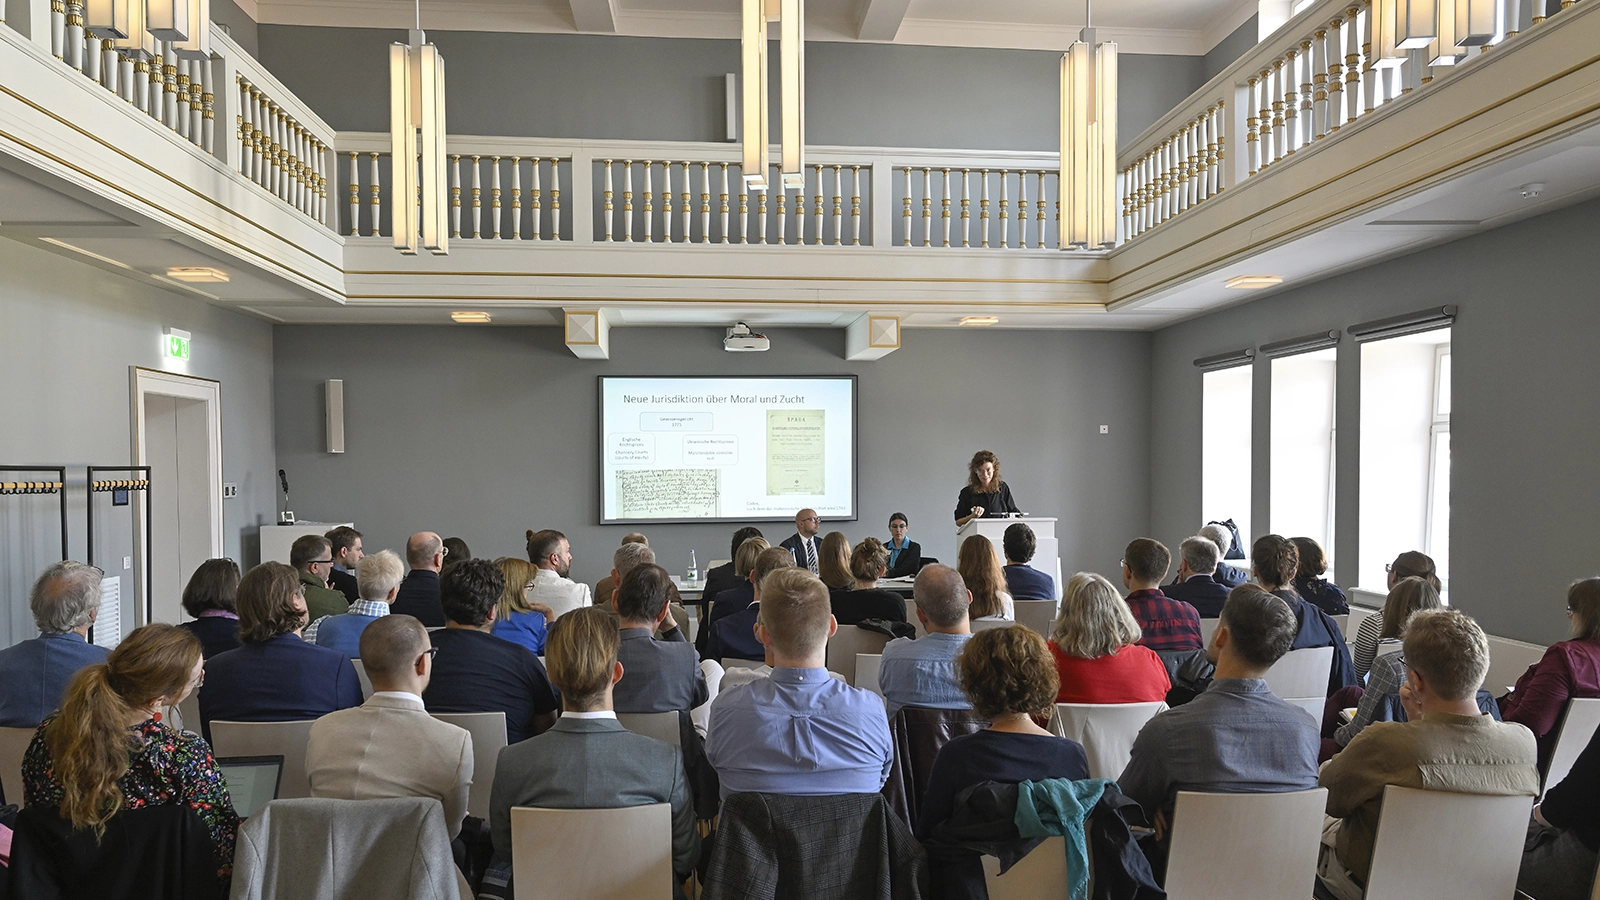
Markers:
<point>754,131</point>
<point>417,144</point>
<point>1088,181</point>
<point>109,18</point>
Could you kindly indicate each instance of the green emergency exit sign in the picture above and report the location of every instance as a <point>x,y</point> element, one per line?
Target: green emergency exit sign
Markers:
<point>177,347</point>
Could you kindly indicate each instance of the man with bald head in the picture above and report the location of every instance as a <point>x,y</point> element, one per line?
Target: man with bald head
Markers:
<point>803,543</point>
<point>419,592</point>
<point>923,672</point>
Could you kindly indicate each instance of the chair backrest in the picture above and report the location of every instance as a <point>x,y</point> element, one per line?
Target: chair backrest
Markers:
<point>1106,731</point>
<point>662,726</point>
<point>545,843</point>
<point>1577,728</point>
<point>1315,706</point>
<point>867,666</point>
<point>911,616</point>
<point>1040,615</point>
<point>986,624</point>
<point>1207,628</point>
<point>850,640</point>
<point>1212,855</point>
<point>1443,844</point>
<point>13,746</point>
<point>684,620</point>
<point>729,662</point>
<point>488,730</point>
<point>189,712</point>
<point>285,739</point>
<point>1343,621</point>
<point>1386,648</point>
<point>1301,673</point>
<point>366,683</point>
<point>1041,875</point>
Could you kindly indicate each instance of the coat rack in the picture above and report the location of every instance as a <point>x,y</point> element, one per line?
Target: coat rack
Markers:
<point>139,483</point>
<point>57,486</point>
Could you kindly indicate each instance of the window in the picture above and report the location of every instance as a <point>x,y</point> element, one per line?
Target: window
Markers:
<point>1303,394</point>
<point>1405,451</point>
<point>1225,448</point>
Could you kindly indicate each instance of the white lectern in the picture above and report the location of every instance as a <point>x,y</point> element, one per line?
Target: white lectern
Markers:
<point>1046,554</point>
<point>277,539</point>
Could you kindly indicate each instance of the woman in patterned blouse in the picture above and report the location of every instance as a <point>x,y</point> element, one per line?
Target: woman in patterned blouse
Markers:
<point>106,750</point>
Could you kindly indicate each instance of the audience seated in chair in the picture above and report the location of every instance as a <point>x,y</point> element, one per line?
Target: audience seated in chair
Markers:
<point>605,587</point>
<point>1309,583</point>
<point>552,586</point>
<point>519,619</point>
<point>378,583</point>
<point>1197,583</point>
<point>797,731</point>
<point>474,671</point>
<point>1559,857</point>
<point>865,600</point>
<point>345,543</point>
<point>275,676</point>
<point>419,592</point>
<point>1229,576</point>
<point>1164,624</point>
<point>733,636</point>
<point>1388,672</point>
<point>1275,559</point>
<point>588,760</point>
<point>390,746</point>
<point>1009,677</point>
<point>1447,745</point>
<point>1023,581</point>
<point>664,675</point>
<point>983,575</point>
<point>1237,736</point>
<point>625,559</point>
<point>833,562</point>
<point>76,764</point>
<point>905,555</point>
<point>733,599</point>
<point>1373,630</point>
<point>312,556</point>
<point>1570,668</point>
<point>211,598</point>
<point>726,576</point>
<point>922,672</point>
<point>1095,645</point>
<point>34,674</point>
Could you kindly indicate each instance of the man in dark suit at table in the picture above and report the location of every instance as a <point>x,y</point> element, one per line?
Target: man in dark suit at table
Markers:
<point>1023,581</point>
<point>734,599</point>
<point>347,555</point>
<point>734,636</point>
<point>803,543</point>
<point>419,592</point>
<point>1196,584</point>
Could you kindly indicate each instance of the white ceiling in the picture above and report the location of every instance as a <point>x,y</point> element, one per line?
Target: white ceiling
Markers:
<point>1187,27</point>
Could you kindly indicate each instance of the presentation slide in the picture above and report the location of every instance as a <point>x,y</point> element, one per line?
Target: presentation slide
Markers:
<point>732,449</point>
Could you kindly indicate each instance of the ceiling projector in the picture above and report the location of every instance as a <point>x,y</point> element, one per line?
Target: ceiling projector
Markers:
<point>741,339</point>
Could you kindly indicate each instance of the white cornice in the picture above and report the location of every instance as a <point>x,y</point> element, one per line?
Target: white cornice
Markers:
<point>1229,23</point>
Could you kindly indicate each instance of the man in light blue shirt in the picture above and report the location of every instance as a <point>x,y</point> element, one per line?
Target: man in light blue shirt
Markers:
<point>923,672</point>
<point>34,674</point>
<point>798,731</point>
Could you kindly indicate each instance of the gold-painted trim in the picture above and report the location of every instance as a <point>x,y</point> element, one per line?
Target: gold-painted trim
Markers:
<point>566,330</point>
<point>705,301</point>
<point>716,277</point>
<point>897,328</point>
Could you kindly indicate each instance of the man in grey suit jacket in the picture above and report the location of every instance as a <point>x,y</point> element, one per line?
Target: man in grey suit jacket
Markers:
<point>588,760</point>
<point>390,746</point>
<point>664,675</point>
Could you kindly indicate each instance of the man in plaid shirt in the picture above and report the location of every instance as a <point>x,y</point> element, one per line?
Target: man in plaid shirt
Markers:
<point>1167,624</point>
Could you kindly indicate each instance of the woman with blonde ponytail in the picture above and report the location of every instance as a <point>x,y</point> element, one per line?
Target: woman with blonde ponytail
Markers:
<point>106,749</point>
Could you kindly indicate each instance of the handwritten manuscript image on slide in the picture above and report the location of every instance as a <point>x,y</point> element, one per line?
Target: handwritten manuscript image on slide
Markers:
<point>669,493</point>
<point>796,452</point>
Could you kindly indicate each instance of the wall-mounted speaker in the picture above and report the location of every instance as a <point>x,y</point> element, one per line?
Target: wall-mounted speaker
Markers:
<point>335,394</point>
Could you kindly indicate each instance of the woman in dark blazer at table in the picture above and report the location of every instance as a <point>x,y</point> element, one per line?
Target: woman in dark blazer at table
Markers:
<point>985,495</point>
<point>905,555</point>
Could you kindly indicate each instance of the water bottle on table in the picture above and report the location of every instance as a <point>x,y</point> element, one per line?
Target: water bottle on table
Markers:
<point>693,575</point>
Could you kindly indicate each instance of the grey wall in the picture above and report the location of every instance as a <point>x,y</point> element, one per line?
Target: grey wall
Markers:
<point>1525,502</point>
<point>69,334</point>
<point>488,432</point>
<point>1229,49</point>
<point>628,88</point>
<point>241,27</point>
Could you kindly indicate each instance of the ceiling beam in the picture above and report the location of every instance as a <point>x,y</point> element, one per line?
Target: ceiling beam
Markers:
<point>878,20</point>
<point>595,15</point>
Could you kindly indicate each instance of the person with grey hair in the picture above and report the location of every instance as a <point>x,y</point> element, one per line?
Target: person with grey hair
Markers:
<point>378,583</point>
<point>628,557</point>
<point>1197,585</point>
<point>922,672</point>
<point>34,674</point>
<point>1226,575</point>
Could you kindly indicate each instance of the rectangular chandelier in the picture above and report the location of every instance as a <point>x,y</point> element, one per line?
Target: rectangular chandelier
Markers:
<point>1088,182</point>
<point>417,146</point>
<point>754,130</point>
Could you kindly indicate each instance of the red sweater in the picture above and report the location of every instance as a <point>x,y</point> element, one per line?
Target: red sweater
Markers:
<point>1569,669</point>
<point>1133,674</point>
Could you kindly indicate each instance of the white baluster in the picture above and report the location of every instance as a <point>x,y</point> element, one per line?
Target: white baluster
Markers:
<point>1352,64</point>
<point>90,50</point>
<point>705,203</point>
<point>666,203</point>
<point>373,193</point>
<point>817,209</point>
<point>58,29</point>
<point>927,208</point>
<point>611,213</point>
<point>455,195</point>
<point>776,178</point>
<point>983,208</point>
<point>494,197</point>
<point>477,197</point>
<point>761,217</point>
<point>125,73</point>
<point>649,201</point>
<point>684,208</point>
<point>723,206</point>
<point>855,206</point>
<point>1540,12</point>
<point>536,202</point>
<point>516,196</point>
<point>1005,206</point>
<point>838,205</point>
<point>1022,209</point>
<point>555,199</point>
<point>627,200</point>
<point>905,209</point>
<point>944,206</point>
<point>74,35</point>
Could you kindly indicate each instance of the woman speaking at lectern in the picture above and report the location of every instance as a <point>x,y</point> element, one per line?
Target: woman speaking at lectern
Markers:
<point>985,494</point>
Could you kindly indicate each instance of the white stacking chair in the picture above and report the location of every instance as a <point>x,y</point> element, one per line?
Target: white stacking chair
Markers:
<point>1344,624</point>
<point>1444,844</point>
<point>366,683</point>
<point>729,662</point>
<point>1041,875</point>
<point>1106,731</point>
<point>285,739</point>
<point>986,624</point>
<point>488,730</point>
<point>548,847</point>
<point>1301,677</point>
<point>1385,648</point>
<point>1577,728</point>
<point>1245,846</point>
<point>867,666</point>
<point>846,643</point>
<point>1040,615</point>
<point>189,712</point>
<point>663,726</point>
<point>13,746</point>
<point>911,616</point>
<point>1208,627</point>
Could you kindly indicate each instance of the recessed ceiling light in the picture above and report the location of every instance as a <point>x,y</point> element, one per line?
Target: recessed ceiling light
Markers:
<point>1254,282</point>
<point>980,320</point>
<point>198,275</point>
<point>471,318</point>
